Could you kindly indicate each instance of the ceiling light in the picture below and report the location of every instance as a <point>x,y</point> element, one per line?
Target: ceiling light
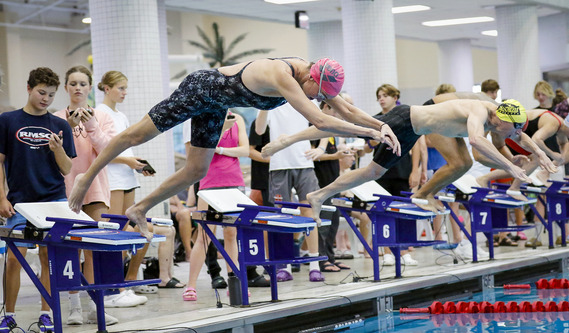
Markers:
<point>466,20</point>
<point>409,9</point>
<point>492,33</point>
<point>86,20</point>
<point>285,2</point>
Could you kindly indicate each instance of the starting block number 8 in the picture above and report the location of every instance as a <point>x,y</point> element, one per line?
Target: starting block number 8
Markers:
<point>558,209</point>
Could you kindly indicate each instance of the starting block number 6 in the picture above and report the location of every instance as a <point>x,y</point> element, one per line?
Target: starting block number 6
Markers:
<point>68,270</point>
<point>386,233</point>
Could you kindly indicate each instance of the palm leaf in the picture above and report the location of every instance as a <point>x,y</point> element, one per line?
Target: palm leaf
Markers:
<point>234,42</point>
<point>234,58</point>
<point>205,38</point>
<point>200,46</point>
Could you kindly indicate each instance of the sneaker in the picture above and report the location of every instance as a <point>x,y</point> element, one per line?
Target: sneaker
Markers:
<point>45,324</point>
<point>464,250</point>
<point>75,317</point>
<point>109,320</point>
<point>407,260</point>
<point>125,299</point>
<point>8,324</point>
<point>388,259</point>
<point>533,242</point>
<point>283,275</point>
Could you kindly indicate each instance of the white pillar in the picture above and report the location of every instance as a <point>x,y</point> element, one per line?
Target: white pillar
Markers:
<point>518,52</point>
<point>325,39</point>
<point>369,49</point>
<point>455,64</point>
<point>125,36</point>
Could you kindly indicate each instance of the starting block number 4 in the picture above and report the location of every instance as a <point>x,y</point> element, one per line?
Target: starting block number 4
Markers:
<point>68,270</point>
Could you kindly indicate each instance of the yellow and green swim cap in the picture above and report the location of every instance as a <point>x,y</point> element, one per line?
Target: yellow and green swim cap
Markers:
<point>512,111</point>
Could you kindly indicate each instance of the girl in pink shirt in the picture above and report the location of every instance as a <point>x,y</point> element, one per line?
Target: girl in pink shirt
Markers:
<point>92,131</point>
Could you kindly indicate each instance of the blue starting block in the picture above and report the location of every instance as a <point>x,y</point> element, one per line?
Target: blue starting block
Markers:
<point>393,221</point>
<point>64,236</point>
<point>232,208</point>
<point>488,208</point>
<point>556,202</point>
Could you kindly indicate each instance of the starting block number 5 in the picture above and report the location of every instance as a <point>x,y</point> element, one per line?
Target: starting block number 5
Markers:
<point>68,270</point>
<point>253,247</point>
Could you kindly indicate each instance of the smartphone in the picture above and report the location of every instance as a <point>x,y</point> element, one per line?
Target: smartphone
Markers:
<point>230,116</point>
<point>147,167</point>
<point>73,111</point>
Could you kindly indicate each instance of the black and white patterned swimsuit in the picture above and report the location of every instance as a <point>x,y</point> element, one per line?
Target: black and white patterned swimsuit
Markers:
<point>205,96</point>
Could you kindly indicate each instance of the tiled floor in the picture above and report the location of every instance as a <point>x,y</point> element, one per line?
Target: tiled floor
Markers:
<point>167,309</point>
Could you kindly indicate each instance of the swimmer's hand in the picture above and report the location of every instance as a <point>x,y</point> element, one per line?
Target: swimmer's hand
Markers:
<point>389,138</point>
<point>275,146</point>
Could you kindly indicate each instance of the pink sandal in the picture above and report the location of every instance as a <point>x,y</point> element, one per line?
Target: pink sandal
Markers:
<point>190,294</point>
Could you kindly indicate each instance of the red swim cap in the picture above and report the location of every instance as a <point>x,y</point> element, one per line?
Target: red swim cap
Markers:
<point>332,74</point>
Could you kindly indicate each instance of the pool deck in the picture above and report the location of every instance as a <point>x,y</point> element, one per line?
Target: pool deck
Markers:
<point>434,277</point>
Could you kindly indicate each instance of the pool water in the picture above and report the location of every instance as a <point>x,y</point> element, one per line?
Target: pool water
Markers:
<point>480,322</point>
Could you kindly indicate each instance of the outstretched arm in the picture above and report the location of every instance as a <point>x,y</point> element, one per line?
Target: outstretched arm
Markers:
<point>536,146</point>
<point>310,133</point>
<point>355,115</point>
<point>475,125</point>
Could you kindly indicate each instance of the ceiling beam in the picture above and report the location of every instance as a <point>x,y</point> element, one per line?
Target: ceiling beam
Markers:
<point>39,11</point>
<point>45,28</point>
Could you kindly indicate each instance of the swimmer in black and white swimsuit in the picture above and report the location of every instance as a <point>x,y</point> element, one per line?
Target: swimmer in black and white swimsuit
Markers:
<point>206,95</point>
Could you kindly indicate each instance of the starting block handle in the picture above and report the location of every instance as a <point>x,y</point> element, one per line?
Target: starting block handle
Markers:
<point>445,198</point>
<point>420,201</point>
<point>328,208</point>
<point>290,211</point>
<point>512,192</point>
<point>161,221</point>
<point>108,225</point>
<point>533,189</point>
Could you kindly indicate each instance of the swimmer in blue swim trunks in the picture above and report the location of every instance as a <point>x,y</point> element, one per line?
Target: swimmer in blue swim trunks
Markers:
<point>205,95</point>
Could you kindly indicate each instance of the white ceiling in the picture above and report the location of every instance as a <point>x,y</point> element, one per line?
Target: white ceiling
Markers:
<point>65,15</point>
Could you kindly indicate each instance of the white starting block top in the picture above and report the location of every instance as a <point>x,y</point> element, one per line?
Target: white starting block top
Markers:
<point>226,201</point>
<point>366,193</point>
<point>37,212</point>
<point>466,183</point>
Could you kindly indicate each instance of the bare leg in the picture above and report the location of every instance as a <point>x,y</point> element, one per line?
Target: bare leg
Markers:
<point>136,134</point>
<point>342,183</point>
<point>184,218</point>
<point>312,239</point>
<point>44,278</point>
<point>197,164</point>
<point>12,279</point>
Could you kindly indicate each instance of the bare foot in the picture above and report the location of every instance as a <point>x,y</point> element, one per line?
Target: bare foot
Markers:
<point>274,146</point>
<point>427,207</point>
<point>316,202</point>
<point>137,217</point>
<point>78,193</point>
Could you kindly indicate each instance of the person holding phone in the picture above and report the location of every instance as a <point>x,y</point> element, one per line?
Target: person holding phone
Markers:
<point>122,179</point>
<point>92,131</point>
